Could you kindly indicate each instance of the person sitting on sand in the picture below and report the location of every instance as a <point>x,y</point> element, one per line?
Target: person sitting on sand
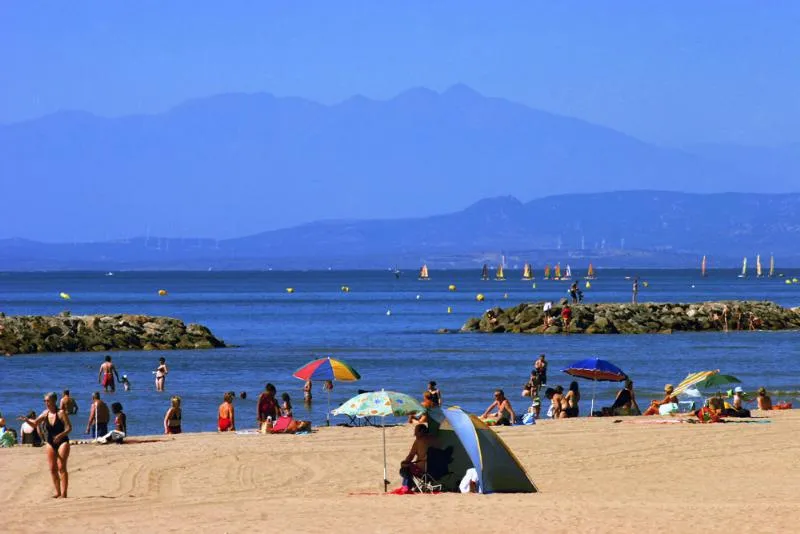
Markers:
<point>713,411</point>
<point>120,426</point>
<point>226,420</point>
<point>427,403</point>
<point>30,434</point>
<point>669,398</point>
<point>416,461</point>
<point>172,419</point>
<point>569,402</point>
<point>504,414</point>
<point>738,400</point>
<point>625,402</point>
<point>763,400</point>
<point>536,401</point>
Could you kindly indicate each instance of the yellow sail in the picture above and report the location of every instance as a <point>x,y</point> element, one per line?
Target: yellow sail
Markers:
<point>500,275</point>
<point>758,265</point>
<point>527,272</point>
<point>423,273</point>
<point>771,266</point>
<point>547,271</point>
<point>590,272</point>
<point>558,271</point>
<point>703,267</point>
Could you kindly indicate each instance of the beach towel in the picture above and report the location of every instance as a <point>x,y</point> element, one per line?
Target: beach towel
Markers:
<point>666,409</point>
<point>115,436</point>
<point>529,419</point>
<point>470,478</point>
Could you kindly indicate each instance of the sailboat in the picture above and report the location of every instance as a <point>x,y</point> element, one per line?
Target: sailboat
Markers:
<point>558,272</point>
<point>703,267</point>
<point>423,273</point>
<point>590,273</point>
<point>527,272</point>
<point>567,274</point>
<point>744,268</point>
<point>500,275</point>
<point>485,272</point>
<point>396,272</point>
<point>759,274</point>
<point>771,266</point>
<point>547,272</point>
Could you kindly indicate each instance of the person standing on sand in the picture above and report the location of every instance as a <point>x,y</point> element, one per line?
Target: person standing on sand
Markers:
<point>635,298</point>
<point>98,417</point>
<point>161,374</point>
<point>307,392</point>
<point>68,404</point>
<point>226,419</point>
<point>57,426</point>
<point>106,375</point>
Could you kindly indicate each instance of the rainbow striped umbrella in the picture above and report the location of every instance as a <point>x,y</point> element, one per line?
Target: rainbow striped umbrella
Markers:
<point>327,369</point>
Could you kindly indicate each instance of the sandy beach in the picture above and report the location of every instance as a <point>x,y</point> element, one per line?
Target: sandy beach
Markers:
<point>593,475</point>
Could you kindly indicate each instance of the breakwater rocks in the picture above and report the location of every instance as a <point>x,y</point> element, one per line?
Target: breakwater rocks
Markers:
<point>65,333</point>
<point>646,318</point>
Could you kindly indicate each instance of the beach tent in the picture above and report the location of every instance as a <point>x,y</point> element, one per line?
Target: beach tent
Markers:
<point>476,445</point>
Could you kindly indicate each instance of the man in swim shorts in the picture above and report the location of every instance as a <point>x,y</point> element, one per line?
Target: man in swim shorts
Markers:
<point>106,375</point>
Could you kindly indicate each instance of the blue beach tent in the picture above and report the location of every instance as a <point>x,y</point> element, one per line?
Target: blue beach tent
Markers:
<point>476,445</point>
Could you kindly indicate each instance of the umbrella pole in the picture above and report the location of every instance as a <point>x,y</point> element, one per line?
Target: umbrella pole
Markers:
<point>594,389</point>
<point>385,481</point>
<point>328,411</point>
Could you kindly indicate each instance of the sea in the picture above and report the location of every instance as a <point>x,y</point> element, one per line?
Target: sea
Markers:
<point>386,328</point>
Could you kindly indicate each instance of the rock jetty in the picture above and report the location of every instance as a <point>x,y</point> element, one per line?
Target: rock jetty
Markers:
<point>99,333</point>
<point>646,318</point>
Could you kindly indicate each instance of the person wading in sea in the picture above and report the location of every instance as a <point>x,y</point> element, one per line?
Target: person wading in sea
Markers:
<point>107,374</point>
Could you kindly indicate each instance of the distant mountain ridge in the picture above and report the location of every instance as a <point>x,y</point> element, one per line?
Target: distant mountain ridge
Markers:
<point>618,229</point>
<point>236,164</point>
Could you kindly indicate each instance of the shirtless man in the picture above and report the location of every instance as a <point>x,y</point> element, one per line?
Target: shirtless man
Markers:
<point>98,417</point>
<point>68,404</point>
<point>106,375</point>
<point>505,413</point>
<point>416,462</point>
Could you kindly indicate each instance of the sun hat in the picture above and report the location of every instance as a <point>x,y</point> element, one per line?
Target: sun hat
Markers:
<point>738,389</point>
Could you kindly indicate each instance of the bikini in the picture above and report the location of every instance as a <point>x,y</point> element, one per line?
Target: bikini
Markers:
<point>174,424</point>
<point>54,430</point>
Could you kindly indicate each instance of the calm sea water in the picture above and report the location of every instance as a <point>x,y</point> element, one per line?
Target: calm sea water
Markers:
<point>276,332</point>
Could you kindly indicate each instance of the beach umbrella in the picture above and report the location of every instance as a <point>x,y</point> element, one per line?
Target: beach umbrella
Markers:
<point>691,380</point>
<point>327,369</point>
<point>596,370</point>
<point>380,404</point>
<point>716,380</point>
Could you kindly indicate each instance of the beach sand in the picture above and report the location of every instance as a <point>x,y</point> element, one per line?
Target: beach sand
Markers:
<point>594,475</point>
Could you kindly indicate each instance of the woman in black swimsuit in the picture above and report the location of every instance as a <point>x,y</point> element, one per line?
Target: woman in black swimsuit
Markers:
<point>57,428</point>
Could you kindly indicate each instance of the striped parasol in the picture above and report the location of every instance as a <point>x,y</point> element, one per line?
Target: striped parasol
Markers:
<point>693,379</point>
<point>327,369</point>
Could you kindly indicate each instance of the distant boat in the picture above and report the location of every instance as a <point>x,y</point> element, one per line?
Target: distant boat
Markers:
<point>771,266</point>
<point>423,273</point>
<point>557,272</point>
<point>500,275</point>
<point>547,272</point>
<point>109,273</point>
<point>485,272</point>
<point>527,272</point>
<point>744,268</point>
<point>703,267</point>
<point>567,274</point>
<point>759,274</point>
<point>590,273</point>
<point>396,272</point>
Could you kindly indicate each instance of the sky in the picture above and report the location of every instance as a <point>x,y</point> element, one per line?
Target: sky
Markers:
<point>672,72</point>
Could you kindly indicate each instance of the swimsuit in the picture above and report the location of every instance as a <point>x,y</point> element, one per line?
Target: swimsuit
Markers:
<point>108,380</point>
<point>53,430</point>
<point>266,408</point>
<point>224,423</point>
<point>174,424</point>
<point>434,397</point>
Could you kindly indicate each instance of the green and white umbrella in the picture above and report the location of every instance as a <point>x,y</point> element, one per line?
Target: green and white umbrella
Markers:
<point>380,404</point>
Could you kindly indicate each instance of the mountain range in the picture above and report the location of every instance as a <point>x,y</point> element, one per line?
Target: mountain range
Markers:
<point>238,164</point>
<point>620,229</point>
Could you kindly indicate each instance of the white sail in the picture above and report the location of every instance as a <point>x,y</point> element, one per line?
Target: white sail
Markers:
<point>758,265</point>
<point>744,268</point>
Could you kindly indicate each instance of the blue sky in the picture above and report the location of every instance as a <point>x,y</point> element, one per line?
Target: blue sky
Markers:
<point>672,72</point>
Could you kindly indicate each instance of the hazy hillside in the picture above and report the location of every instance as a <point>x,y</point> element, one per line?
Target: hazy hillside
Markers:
<point>641,228</point>
<point>237,164</point>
